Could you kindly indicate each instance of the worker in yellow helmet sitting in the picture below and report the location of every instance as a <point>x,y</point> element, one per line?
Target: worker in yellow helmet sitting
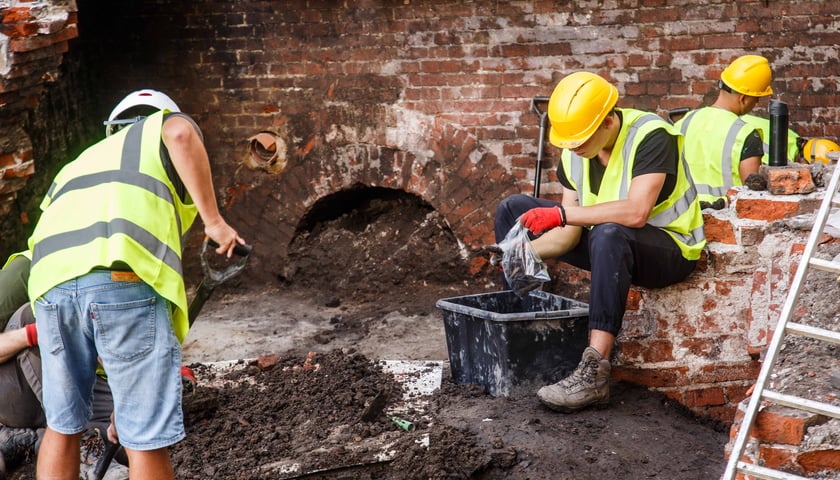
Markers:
<point>629,215</point>
<point>721,148</point>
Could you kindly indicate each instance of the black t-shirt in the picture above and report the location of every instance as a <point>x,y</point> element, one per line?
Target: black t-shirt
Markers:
<point>753,146</point>
<point>657,153</point>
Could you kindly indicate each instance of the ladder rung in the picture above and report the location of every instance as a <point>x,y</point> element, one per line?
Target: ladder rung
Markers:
<point>835,202</point>
<point>814,332</point>
<point>767,473</point>
<point>802,403</point>
<point>825,265</point>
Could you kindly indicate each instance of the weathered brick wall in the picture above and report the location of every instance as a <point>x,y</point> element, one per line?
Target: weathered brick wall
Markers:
<point>434,98</point>
<point>34,37</point>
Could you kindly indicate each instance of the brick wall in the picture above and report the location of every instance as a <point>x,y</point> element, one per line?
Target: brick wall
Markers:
<point>434,98</point>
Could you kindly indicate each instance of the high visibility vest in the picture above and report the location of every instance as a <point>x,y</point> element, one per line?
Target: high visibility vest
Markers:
<point>714,140</point>
<point>26,254</point>
<point>763,125</point>
<point>115,203</point>
<point>678,215</point>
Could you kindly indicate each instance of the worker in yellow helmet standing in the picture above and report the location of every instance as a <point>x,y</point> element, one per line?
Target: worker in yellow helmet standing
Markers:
<point>629,214</point>
<point>106,283</point>
<point>722,148</point>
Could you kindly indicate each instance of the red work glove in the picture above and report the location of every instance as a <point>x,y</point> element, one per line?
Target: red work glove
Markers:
<point>538,220</point>
<point>31,335</point>
<point>188,380</point>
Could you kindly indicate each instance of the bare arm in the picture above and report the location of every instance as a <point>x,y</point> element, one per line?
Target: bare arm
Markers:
<point>193,166</point>
<point>632,212</point>
<point>748,166</point>
<point>11,343</point>
<point>558,241</point>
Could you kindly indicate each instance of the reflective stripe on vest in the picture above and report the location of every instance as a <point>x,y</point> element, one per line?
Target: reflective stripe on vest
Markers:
<point>128,174</point>
<point>135,218</point>
<point>728,170</point>
<point>669,215</point>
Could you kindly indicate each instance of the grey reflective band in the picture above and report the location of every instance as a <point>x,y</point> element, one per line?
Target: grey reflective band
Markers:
<point>577,170</point>
<point>726,156</point>
<point>627,150</point>
<point>686,121</point>
<point>128,174</point>
<point>697,235</point>
<point>133,178</point>
<point>131,147</point>
<point>682,205</point>
<point>118,226</point>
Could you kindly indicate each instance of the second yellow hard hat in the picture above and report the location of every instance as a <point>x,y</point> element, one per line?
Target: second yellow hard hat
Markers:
<point>749,75</point>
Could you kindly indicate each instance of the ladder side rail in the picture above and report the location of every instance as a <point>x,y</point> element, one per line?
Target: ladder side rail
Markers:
<point>779,333</point>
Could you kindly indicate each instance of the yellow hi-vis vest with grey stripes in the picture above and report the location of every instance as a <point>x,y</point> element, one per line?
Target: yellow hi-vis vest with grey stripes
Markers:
<point>763,125</point>
<point>678,215</point>
<point>115,203</point>
<point>714,140</point>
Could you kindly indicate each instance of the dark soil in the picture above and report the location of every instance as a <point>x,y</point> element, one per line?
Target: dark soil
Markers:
<point>327,415</point>
<point>392,254</point>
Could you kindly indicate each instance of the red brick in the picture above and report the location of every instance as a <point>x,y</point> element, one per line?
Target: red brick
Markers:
<point>818,460</point>
<point>718,230</point>
<point>783,425</point>
<point>788,180</point>
<point>765,209</point>
<point>704,397</point>
<point>779,457</point>
<point>659,377</point>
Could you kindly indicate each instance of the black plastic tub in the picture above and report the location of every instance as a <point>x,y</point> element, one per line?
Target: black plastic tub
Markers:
<point>501,341</point>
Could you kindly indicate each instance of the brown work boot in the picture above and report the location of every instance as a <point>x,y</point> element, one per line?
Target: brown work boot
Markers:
<point>588,385</point>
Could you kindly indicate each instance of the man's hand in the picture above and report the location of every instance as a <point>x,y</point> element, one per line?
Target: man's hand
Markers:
<point>538,220</point>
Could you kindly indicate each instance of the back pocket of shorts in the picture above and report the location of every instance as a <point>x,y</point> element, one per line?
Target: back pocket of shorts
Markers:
<point>125,330</point>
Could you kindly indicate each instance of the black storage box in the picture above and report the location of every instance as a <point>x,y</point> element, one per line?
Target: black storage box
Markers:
<point>500,340</point>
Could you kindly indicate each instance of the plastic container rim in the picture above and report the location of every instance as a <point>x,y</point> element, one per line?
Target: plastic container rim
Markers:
<point>447,304</point>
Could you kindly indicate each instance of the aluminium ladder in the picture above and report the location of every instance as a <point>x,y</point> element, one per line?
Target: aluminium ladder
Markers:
<point>784,327</point>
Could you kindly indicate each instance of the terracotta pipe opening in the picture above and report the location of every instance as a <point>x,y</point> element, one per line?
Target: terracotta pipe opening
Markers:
<point>267,150</point>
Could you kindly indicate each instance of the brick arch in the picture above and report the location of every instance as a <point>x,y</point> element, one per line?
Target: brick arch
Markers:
<point>444,170</point>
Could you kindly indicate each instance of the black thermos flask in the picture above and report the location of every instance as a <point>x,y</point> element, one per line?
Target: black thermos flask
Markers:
<point>778,133</point>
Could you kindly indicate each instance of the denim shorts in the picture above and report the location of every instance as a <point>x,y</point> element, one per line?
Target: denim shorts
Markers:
<point>124,322</point>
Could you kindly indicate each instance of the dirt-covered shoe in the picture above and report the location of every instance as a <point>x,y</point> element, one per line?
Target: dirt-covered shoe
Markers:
<point>588,385</point>
<point>16,444</point>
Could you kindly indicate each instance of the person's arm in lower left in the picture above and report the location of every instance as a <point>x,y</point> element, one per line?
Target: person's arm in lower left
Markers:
<point>12,342</point>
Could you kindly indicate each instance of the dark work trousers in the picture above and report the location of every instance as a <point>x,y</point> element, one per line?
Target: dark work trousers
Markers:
<point>617,256</point>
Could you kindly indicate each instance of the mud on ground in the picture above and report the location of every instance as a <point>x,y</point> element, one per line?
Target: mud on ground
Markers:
<point>360,289</point>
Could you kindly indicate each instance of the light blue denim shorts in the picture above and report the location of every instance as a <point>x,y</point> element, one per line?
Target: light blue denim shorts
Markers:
<point>123,321</point>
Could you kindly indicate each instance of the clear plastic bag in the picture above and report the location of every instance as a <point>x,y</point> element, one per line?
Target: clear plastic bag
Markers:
<point>524,270</point>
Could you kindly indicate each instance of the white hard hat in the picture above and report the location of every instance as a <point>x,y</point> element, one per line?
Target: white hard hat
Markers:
<point>148,97</point>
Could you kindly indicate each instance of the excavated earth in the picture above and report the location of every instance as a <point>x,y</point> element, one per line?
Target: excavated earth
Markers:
<point>303,378</point>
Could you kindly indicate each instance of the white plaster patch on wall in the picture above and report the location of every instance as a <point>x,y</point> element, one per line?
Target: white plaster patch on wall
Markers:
<point>341,134</point>
<point>411,133</point>
<point>5,65</point>
<point>51,16</point>
<point>685,63</point>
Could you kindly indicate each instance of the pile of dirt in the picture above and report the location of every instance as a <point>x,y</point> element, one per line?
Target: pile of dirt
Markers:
<point>369,278</point>
<point>384,251</point>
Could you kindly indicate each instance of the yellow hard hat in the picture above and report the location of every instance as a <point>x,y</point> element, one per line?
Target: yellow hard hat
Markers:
<point>749,75</point>
<point>817,150</point>
<point>578,105</point>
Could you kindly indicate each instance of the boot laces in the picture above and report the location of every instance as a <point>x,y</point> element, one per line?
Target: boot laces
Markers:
<point>584,374</point>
